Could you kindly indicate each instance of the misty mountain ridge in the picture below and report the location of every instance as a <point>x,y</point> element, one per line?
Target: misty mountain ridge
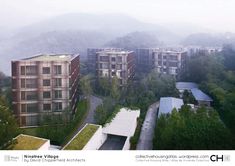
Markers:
<point>74,33</point>
<point>209,39</point>
<point>135,40</point>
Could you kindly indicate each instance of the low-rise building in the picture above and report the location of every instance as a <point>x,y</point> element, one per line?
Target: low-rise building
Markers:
<point>201,98</point>
<point>114,135</point>
<point>27,142</point>
<point>167,104</point>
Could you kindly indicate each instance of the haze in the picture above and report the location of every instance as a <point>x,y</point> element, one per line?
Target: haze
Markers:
<point>218,15</point>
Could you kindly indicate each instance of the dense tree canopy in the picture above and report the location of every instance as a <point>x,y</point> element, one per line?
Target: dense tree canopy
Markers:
<point>216,76</point>
<point>192,130</point>
<point>8,125</point>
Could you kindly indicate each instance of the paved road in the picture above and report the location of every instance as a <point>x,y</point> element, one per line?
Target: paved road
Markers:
<point>94,102</point>
<point>147,131</point>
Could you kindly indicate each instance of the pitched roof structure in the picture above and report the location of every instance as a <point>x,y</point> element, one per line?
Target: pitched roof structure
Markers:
<point>199,95</point>
<point>167,104</point>
<point>186,85</point>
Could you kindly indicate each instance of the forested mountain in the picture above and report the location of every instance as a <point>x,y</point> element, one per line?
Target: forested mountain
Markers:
<point>209,40</point>
<point>135,40</point>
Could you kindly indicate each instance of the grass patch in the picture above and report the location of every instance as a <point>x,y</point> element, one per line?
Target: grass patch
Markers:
<point>24,142</point>
<point>82,138</point>
<point>29,131</point>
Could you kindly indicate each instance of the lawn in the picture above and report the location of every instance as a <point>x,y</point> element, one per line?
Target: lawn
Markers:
<point>82,138</point>
<point>29,131</point>
<point>25,142</point>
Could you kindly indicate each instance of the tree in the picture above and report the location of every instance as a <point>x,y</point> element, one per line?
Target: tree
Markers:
<point>229,57</point>
<point>103,86</point>
<point>85,85</point>
<point>192,130</point>
<point>8,125</point>
<point>115,88</point>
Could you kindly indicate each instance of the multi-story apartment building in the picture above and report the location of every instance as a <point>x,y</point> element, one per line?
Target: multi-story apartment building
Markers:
<point>91,56</point>
<point>194,50</point>
<point>169,62</point>
<point>118,64</point>
<point>44,84</point>
<point>144,59</point>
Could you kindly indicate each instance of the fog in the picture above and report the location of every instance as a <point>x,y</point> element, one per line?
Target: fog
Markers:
<point>216,15</point>
<point>29,27</point>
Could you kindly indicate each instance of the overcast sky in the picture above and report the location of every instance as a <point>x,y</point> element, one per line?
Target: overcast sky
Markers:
<point>212,14</point>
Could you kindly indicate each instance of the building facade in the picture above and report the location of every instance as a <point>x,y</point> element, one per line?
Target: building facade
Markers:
<point>44,84</point>
<point>120,64</point>
<point>91,56</point>
<point>144,59</point>
<point>169,62</point>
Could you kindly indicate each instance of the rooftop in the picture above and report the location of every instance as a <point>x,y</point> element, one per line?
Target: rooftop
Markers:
<point>123,124</point>
<point>115,52</point>
<point>199,95</point>
<point>186,85</point>
<point>82,138</point>
<point>167,104</point>
<point>27,142</point>
<point>50,57</point>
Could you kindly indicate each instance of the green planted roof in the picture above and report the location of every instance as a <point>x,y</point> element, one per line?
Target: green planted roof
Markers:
<point>82,138</point>
<point>26,142</point>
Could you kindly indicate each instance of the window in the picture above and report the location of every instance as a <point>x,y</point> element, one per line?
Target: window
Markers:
<point>29,95</point>
<point>58,94</point>
<point>113,59</point>
<point>164,57</point>
<point>31,70</point>
<point>46,107</point>
<point>28,70</point>
<point>57,69</point>
<point>173,57</point>
<point>23,96</point>
<point>32,108</point>
<point>58,106</point>
<point>113,66</point>
<point>46,70</point>
<point>119,67</point>
<point>46,94</point>
<point>31,120</point>
<point>105,66</point>
<point>100,65</point>
<point>159,56</point>
<point>46,82</point>
<point>22,70</point>
<point>113,73</point>
<point>119,59</point>
<point>159,63</point>
<point>58,82</point>
<point>104,58</point>
<point>173,64</point>
<point>23,108</point>
<point>28,83</point>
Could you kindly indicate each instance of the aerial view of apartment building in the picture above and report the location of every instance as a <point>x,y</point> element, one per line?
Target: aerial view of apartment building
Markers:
<point>91,56</point>
<point>44,84</point>
<point>120,64</point>
<point>169,62</point>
